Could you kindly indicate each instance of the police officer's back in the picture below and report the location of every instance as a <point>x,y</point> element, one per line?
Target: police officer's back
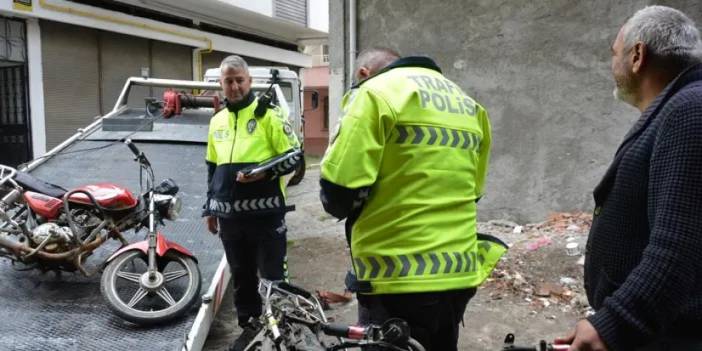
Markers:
<point>406,169</point>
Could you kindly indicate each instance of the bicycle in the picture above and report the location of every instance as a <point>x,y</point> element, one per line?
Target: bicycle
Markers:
<point>293,320</point>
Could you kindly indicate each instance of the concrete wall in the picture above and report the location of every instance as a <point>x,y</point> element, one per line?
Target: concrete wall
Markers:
<point>542,70</point>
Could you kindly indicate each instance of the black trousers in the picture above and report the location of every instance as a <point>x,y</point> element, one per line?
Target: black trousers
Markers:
<point>433,317</point>
<point>253,245</point>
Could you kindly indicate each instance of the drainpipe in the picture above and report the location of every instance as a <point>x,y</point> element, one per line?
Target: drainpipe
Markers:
<point>107,18</point>
<point>352,42</point>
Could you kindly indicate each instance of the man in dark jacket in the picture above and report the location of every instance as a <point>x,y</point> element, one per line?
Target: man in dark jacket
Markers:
<point>643,273</point>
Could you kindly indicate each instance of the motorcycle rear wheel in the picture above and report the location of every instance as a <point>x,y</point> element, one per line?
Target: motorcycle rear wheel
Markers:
<point>123,287</point>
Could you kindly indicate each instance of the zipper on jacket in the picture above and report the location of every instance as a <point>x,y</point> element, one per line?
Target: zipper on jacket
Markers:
<point>236,123</point>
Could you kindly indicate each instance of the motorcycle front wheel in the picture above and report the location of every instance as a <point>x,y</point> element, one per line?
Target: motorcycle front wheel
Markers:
<point>136,298</point>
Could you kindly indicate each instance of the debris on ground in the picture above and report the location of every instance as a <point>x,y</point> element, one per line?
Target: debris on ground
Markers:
<point>332,297</point>
<point>543,267</point>
<point>538,243</point>
<point>327,298</point>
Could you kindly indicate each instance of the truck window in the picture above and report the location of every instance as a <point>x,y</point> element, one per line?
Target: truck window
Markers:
<point>287,91</point>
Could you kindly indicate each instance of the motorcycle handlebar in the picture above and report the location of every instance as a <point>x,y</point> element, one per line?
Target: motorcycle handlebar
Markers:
<point>135,150</point>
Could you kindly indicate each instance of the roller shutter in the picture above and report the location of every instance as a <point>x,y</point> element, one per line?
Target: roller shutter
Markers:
<point>122,56</point>
<point>292,10</point>
<point>71,76</point>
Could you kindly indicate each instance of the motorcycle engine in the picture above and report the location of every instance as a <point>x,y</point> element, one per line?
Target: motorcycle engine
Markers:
<point>59,238</point>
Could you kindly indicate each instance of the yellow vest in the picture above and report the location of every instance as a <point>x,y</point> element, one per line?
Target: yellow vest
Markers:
<point>422,146</point>
<point>238,139</point>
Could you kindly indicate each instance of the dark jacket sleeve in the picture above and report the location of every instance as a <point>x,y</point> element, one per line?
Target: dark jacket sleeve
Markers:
<point>211,166</point>
<point>340,201</point>
<point>662,286</point>
<point>210,173</point>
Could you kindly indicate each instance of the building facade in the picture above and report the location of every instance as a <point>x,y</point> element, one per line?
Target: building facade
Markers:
<point>316,83</point>
<point>62,63</point>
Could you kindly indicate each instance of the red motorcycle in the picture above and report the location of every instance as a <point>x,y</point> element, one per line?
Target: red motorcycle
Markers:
<point>47,227</point>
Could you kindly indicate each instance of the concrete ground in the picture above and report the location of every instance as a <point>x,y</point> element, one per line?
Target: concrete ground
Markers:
<point>318,260</point>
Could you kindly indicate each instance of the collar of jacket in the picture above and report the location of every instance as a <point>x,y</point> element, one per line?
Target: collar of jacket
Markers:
<point>409,61</point>
<point>689,75</point>
<point>244,103</point>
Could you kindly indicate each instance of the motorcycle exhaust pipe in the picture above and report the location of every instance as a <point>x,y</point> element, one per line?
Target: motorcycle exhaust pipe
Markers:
<point>21,249</point>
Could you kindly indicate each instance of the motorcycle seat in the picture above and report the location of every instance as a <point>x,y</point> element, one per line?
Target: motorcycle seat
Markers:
<point>30,182</point>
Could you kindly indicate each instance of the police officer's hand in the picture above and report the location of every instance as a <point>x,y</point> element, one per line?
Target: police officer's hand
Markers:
<point>241,178</point>
<point>583,338</point>
<point>212,225</point>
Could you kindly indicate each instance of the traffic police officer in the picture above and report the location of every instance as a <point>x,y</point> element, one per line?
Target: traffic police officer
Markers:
<point>248,211</point>
<point>406,169</point>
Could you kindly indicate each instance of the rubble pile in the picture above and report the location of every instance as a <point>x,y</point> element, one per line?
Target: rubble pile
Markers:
<point>543,267</point>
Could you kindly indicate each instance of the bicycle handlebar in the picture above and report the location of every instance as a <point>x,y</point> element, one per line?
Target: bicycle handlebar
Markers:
<point>344,331</point>
<point>543,346</point>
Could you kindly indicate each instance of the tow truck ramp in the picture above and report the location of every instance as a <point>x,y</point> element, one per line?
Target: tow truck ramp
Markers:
<point>49,311</point>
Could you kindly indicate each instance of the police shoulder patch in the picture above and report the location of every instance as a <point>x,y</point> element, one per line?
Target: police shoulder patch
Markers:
<point>251,126</point>
<point>287,128</point>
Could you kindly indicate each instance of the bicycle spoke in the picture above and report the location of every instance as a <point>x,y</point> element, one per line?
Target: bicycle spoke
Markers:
<point>138,296</point>
<point>166,296</point>
<point>169,276</point>
<point>132,277</point>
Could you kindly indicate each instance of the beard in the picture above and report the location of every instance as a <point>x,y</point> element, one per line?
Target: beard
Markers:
<point>623,95</point>
<point>625,89</point>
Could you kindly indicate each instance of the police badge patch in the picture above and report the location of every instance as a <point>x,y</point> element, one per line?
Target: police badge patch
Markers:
<point>287,128</point>
<point>251,126</point>
<point>221,134</point>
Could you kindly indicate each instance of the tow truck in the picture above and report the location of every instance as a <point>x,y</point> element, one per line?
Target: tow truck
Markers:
<point>48,311</point>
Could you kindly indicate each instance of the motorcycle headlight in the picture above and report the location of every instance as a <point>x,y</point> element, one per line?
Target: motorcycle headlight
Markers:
<point>169,206</point>
<point>174,207</point>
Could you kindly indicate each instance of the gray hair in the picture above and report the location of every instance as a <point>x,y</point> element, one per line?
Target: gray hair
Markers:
<point>233,62</point>
<point>669,35</point>
<point>376,58</point>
